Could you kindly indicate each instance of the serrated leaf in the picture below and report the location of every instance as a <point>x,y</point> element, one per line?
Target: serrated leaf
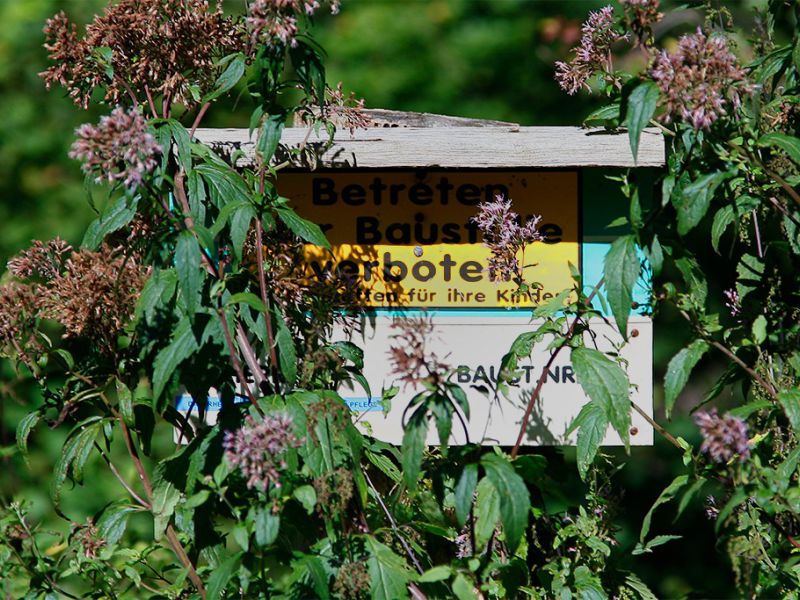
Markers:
<point>183,144</point>
<point>463,589</point>
<point>487,512</point>
<point>592,424</point>
<point>266,526</point>
<point>115,217</point>
<point>228,78</point>
<point>641,588</point>
<point>679,370</point>
<point>307,496</point>
<point>287,353</point>
<point>665,496</point>
<point>302,228</point>
<point>269,136</point>
<point>695,198</point>
<point>606,384</point>
<point>181,347</point>
<point>165,498</point>
<point>125,399</point>
<point>187,266</point>
<point>656,541</point>
<point>112,523</point>
<point>790,401</point>
<point>722,220</point>
<point>465,489</point>
<point>553,306</point>
<point>621,268</point>
<point>75,453</point>
<point>515,501</point>
<point>640,109</point>
<point>787,143</point>
<point>434,574</point>
<point>249,299</point>
<point>240,226</point>
<point>24,430</point>
<point>413,447</point>
<point>695,279</point>
<point>588,585</point>
<point>388,573</point>
<point>607,116</point>
<point>221,576</point>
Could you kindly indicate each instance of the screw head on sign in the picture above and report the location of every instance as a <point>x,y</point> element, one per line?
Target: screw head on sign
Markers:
<point>417,251</point>
<point>634,430</point>
<point>634,333</point>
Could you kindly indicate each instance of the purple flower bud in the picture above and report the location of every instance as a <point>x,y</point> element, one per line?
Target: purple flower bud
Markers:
<point>723,437</point>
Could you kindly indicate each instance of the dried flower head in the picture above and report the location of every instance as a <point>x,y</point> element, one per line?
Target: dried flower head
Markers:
<point>119,148</point>
<point>139,49</point>
<point>409,354</point>
<point>43,259</point>
<point>592,54</point>
<point>257,449</point>
<point>18,315</point>
<point>89,539</point>
<point>95,295</point>
<point>276,21</point>
<point>505,237</point>
<point>723,437</point>
<point>700,80</point>
<point>640,16</point>
<point>334,491</point>
<point>352,581</point>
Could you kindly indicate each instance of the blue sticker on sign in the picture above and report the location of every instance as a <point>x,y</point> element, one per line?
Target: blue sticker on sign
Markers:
<point>364,404</point>
<point>185,402</point>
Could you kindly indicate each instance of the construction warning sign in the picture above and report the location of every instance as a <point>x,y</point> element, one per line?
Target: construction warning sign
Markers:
<point>407,237</point>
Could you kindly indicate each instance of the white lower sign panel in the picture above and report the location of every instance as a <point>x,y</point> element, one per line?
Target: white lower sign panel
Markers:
<point>474,346</point>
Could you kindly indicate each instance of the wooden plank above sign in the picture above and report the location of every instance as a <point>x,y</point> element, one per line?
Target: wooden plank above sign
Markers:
<point>457,147</point>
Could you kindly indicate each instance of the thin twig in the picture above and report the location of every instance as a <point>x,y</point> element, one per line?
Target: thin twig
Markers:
<point>770,389</point>
<point>201,113</point>
<point>262,283</point>
<point>393,523</point>
<point>542,378</point>
<point>150,101</point>
<point>237,365</point>
<point>119,477</point>
<point>670,438</point>
<point>758,235</point>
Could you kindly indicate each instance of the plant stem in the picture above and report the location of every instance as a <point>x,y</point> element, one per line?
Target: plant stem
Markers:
<point>669,437</point>
<point>201,113</point>
<point>122,481</point>
<point>262,283</point>
<point>237,365</point>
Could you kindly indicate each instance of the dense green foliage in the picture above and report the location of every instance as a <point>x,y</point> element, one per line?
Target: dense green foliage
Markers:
<point>340,514</point>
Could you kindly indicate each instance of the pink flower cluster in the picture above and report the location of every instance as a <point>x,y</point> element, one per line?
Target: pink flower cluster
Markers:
<point>119,148</point>
<point>723,437</point>
<point>700,80</point>
<point>257,448</point>
<point>592,55</point>
<point>505,237</point>
<point>276,20</point>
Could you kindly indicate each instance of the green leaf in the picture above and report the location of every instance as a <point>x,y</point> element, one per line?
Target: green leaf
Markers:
<point>240,226</point>
<point>464,491</point>
<point>315,573</point>
<point>183,144</point>
<point>463,589</point>
<point>115,217</point>
<point>113,522</point>
<point>787,143</point>
<point>678,371</point>
<point>434,574</point>
<point>269,137</point>
<point>621,268</point>
<point>302,228</point>
<point>693,201</point>
<point>487,512</point>
<point>592,424</point>
<point>75,453</point>
<point>760,329</point>
<point>187,265</point>
<point>307,496</point>
<point>266,525</point>
<point>248,298</point>
<point>165,498</point>
<point>607,116</point>
<point>181,347</point>
<point>640,109</point>
<point>228,78</point>
<point>413,447</point>
<point>125,399</point>
<point>724,218</point>
<point>553,306</point>
<point>388,573</point>
<point>287,353</point>
<point>668,494</point>
<point>221,575</point>
<point>605,383</point>
<point>24,429</point>
<point>790,401</point>
<point>588,585</point>
<point>641,588</point>
<point>515,501</point>
<point>695,279</point>
<point>656,541</point>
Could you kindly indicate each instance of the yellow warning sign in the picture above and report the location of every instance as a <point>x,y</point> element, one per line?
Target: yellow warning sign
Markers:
<point>408,239</point>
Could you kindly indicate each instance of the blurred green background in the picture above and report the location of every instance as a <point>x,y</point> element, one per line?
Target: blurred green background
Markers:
<point>475,58</point>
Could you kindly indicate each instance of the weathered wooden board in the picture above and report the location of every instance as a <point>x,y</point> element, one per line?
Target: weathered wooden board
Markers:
<point>458,147</point>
